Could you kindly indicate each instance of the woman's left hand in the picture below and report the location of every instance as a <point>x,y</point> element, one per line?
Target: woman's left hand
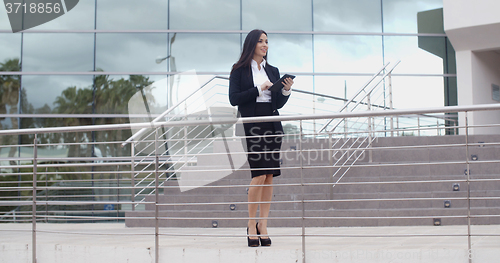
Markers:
<point>287,83</point>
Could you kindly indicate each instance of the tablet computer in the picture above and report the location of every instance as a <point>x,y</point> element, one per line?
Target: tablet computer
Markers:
<point>278,85</point>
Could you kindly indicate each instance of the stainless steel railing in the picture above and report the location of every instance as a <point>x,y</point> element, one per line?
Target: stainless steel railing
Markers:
<point>49,187</point>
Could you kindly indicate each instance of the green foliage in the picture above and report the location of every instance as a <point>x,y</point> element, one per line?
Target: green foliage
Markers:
<point>105,96</point>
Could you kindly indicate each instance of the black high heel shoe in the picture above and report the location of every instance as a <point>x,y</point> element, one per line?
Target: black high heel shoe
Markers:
<point>265,242</point>
<point>252,242</point>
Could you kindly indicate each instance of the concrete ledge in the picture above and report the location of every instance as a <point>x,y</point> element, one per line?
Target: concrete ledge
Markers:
<point>58,243</point>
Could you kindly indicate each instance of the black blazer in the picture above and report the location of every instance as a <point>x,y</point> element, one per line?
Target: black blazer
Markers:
<point>243,93</point>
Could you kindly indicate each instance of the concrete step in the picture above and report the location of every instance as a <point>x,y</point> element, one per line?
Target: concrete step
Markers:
<point>293,188</point>
<point>316,151</point>
<point>322,201</point>
<point>393,166</point>
<point>222,203</point>
<point>316,218</point>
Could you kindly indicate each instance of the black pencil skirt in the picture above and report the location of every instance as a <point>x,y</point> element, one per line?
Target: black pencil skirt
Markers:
<point>263,150</point>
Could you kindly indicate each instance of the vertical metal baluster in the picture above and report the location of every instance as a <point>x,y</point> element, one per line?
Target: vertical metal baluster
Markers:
<point>118,193</point>
<point>370,154</point>
<point>132,175</point>
<point>418,125</point>
<point>314,112</point>
<point>397,125</point>
<point>469,239</point>
<point>391,106</point>
<point>330,161</point>
<point>33,206</point>
<point>437,126</point>
<point>157,223</point>
<point>302,190</point>
<point>46,195</point>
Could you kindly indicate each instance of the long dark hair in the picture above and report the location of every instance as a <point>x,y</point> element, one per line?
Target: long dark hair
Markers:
<point>249,49</point>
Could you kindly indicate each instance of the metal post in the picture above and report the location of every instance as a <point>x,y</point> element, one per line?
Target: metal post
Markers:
<point>397,125</point>
<point>391,106</point>
<point>418,125</point>
<point>117,193</point>
<point>346,124</point>
<point>346,103</point>
<point>157,222</point>
<point>370,154</point>
<point>302,199</point>
<point>185,134</point>
<point>437,126</point>
<point>46,195</point>
<point>132,175</point>
<point>314,112</point>
<point>469,239</point>
<point>33,206</point>
<point>330,161</point>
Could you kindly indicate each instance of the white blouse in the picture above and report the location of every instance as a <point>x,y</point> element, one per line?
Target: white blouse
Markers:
<point>259,77</point>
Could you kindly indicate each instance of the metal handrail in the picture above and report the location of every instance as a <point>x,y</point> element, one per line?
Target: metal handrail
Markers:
<point>340,115</point>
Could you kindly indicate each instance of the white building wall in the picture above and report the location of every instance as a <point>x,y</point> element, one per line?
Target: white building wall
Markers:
<point>467,13</point>
<point>473,28</point>
<point>485,72</point>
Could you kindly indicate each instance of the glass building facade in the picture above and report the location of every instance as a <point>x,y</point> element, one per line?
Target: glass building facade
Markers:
<point>95,57</point>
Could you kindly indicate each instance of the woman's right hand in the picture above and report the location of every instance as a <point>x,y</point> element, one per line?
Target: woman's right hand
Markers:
<point>266,85</point>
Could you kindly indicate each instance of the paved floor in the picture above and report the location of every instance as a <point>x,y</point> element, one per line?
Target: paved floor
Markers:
<point>113,242</point>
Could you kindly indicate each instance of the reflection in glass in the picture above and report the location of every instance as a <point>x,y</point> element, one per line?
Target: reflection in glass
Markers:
<point>113,96</point>
<point>400,16</point>
<point>132,14</point>
<point>65,93</point>
<point>131,52</point>
<point>343,54</point>
<point>108,143</point>
<point>290,53</point>
<point>205,15</point>
<point>114,92</point>
<point>58,52</point>
<point>414,59</point>
<point>69,96</point>
<point>205,52</point>
<point>9,98</point>
<point>292,15</point>
<point>347,16</point>
<point>11,47</point>
<point>9,95</point>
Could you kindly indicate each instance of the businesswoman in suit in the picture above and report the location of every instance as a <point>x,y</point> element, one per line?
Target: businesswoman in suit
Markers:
<point>250,79</point>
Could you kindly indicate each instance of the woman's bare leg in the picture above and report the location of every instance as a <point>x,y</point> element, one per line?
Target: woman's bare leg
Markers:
<point>267,196</point>
<point>254,198</point>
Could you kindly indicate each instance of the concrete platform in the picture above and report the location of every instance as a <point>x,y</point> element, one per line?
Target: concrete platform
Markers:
<point>113,242</point>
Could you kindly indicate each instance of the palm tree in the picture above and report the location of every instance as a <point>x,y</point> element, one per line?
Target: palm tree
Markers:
<point>75,101</point>
<point>9,98</point>
<point>112,96</point>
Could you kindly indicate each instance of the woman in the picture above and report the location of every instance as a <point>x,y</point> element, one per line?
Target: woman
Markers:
<point>250,79</point>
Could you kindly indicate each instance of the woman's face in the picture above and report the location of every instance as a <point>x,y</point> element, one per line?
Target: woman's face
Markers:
<point>261,48</point>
